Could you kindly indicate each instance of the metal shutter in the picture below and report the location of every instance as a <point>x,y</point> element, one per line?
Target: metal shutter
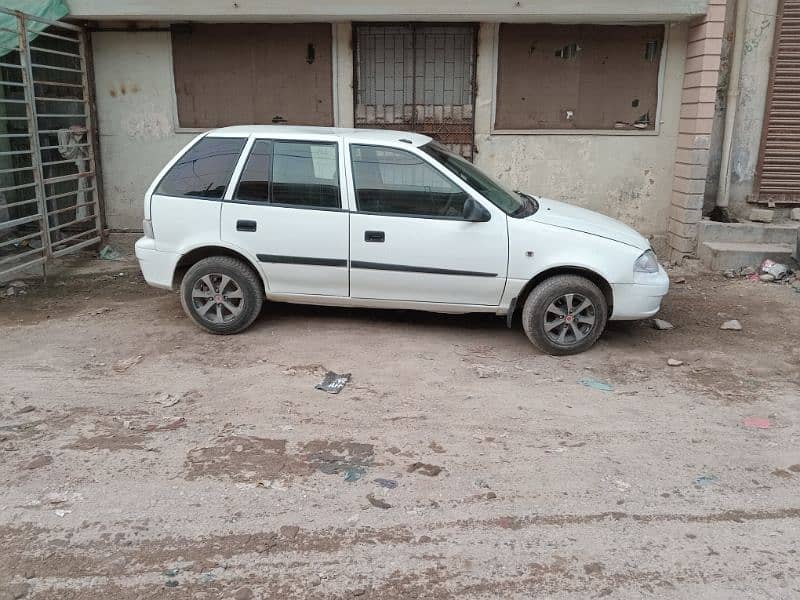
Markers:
<point>778,173</point>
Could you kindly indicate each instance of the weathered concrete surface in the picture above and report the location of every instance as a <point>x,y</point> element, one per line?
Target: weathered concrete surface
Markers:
<point>582,11</point>
<point>753,84</point>
<point>549,489</point>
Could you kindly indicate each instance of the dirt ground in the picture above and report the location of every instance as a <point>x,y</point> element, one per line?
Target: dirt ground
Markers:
<point>143,458</point>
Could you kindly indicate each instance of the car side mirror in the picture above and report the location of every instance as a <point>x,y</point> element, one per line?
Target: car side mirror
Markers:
<point>474,212</point>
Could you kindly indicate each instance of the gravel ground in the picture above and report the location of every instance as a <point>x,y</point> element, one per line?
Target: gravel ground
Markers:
<point>143,458</point>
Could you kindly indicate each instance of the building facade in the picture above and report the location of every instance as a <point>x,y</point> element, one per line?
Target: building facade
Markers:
<point>609,105</point>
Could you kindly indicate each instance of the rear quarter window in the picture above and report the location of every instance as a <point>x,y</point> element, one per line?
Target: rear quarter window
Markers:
<point>204,171</point>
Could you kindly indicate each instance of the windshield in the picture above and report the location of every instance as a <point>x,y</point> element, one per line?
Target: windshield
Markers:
<point>514,204</point>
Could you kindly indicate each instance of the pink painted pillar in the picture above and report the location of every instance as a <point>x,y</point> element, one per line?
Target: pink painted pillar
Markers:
<point>694,133</point>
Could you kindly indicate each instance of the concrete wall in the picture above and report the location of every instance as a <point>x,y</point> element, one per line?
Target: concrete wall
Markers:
<point>136,118</point>
<point>627,176</point>
<point>587,11</point>
<point>753,84</point>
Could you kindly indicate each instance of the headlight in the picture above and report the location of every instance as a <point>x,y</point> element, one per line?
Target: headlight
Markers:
<point>646,263</point>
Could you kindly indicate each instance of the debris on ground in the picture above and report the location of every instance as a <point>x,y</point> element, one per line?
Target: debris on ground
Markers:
<point>354,473</point>
<point>777,270</point>
<point>486,371</point>
<point>740,272</point>
<point>108,252</point>
<point>757,422</point>
<point>597,384</point>
<point>679,280</point>
<point>674,362</point>
<point>16,288</point>
<point>333,383</point>
<point>622,486</point>
<point>171,583</point>
<point>377,502</point>
<point>100,311</point>
<point>389,484</point>
<point>37,462</point>
<point>28,408</point>
<point>164,399</point>
<point>425,469</point>
<point>662,325</point>
<point>732,325</point>
<point>171,572</point>
<point>315,369</point>
<point>705,480</point>
<point>125,364</point>
<point>171,426</point>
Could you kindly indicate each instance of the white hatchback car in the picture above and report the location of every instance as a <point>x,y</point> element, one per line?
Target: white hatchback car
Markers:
<point>386,219</point>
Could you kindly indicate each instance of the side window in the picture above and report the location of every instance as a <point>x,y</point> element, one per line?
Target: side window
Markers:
<point>204,171</point>
<point>392,181</point>
<point>254,182</point>
<point>305,174</point>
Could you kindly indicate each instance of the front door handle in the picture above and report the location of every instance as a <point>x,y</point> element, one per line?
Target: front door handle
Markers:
<point>374,236</point>
<point>244,225</point>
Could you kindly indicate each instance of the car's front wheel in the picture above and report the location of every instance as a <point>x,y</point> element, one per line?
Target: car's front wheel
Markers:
<point>222,294</point>
<point>565,314</point>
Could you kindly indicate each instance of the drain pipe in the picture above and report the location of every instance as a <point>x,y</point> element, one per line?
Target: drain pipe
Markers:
<point>731,105</point>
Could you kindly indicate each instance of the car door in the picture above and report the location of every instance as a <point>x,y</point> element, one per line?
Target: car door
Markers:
<point>408,238</point>
<point>286,209</point>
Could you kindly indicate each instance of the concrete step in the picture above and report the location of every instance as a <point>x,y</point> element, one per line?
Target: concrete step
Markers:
<point>721,256</point>
<point>769,233</point>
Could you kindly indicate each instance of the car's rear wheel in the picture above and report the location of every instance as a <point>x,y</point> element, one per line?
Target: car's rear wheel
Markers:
<point>565,314</point>
<point>222,294</point>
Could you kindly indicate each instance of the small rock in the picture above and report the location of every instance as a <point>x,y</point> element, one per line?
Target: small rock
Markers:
<point>662,325</point>
<point>761,215</point>
<point>359,592</point>
<point>674,362</point>
<point>171,583</point>
<point>26,409</point>
<point>244,593</point>
<point>730,274</point>
<point>377,502</point>
<point>38,462</point>
<point>795,214</point>
<point>732,325</point>
<point>767,277</point>
<point>679,280</point>
<point>491,496</point>
<point>314,581</point>
<point>290,531</point>
<point>425,469</point>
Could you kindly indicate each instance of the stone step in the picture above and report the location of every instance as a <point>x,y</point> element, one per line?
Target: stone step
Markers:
<point>721,256</point>
<point>770,233</point>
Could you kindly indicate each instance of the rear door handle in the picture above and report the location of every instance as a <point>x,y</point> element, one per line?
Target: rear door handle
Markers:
<point>374,236</point>
<point>243,225</point>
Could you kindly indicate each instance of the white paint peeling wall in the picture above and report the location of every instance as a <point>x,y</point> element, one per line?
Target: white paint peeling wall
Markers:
<point>753,85</point>
<point>628,177</point>
<point>136,118</point>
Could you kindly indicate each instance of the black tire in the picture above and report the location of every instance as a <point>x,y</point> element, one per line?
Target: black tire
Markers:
<point>243,277</point>
<point>544,327</point>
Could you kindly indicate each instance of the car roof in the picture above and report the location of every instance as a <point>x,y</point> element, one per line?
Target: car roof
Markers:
<point>362,136</point>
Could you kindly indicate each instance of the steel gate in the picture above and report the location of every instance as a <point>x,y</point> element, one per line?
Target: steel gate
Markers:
<point>417,77</point>
<point>49,204</point>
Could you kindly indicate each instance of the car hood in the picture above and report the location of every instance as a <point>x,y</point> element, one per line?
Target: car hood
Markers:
<point>561,214</point>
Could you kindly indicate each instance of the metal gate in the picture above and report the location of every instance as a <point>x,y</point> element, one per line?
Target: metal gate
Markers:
<point>49,203</point>
<point>417,77</point>
<point>778,172</point>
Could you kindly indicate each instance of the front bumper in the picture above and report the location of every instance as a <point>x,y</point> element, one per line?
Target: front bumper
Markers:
<point>639,300</point>
<point>158,267</point>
